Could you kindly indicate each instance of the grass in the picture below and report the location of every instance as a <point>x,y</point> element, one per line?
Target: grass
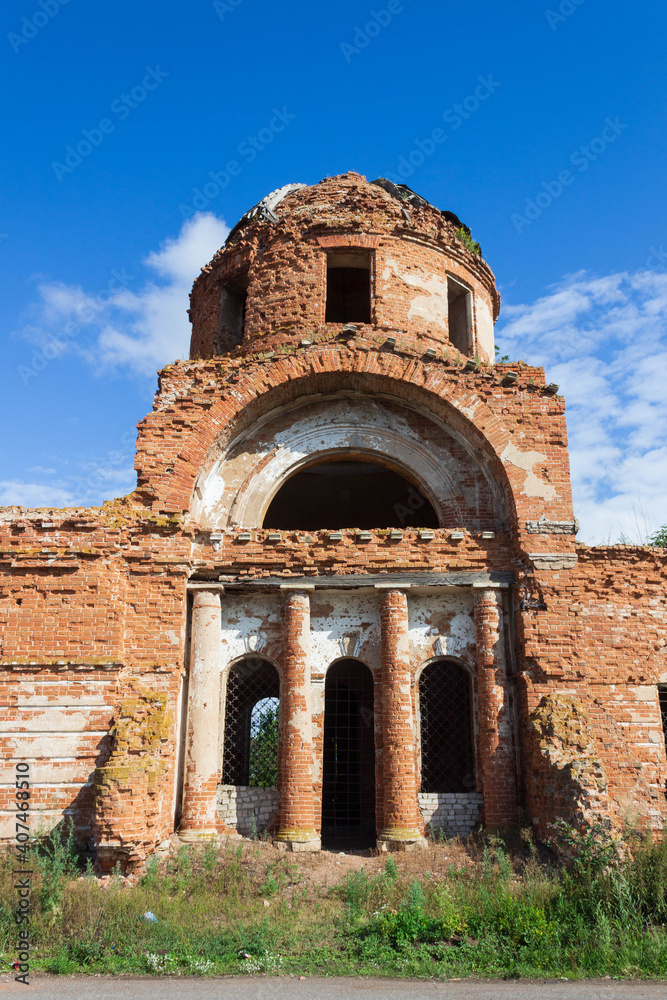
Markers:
<point>490,907</point>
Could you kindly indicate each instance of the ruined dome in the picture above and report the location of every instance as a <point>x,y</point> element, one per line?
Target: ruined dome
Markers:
<point>307,261</point>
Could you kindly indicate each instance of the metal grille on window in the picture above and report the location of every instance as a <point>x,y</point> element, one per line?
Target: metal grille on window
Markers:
<point>662,694</point>
<point>447,747</point>
<point>250,747</point>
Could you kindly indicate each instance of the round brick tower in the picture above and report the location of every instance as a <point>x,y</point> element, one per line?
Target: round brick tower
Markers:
<point>308,261</point>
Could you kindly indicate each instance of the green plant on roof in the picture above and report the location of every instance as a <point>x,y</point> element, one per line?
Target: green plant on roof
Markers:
<point>659,538</point>
<point>464,235</point>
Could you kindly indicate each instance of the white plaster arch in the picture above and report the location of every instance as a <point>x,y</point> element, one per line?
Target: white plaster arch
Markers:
<point>357,659</point>
<point>236,486</point>
<point>252,656</point>
<point>251,503</point>
<point>445,658</point>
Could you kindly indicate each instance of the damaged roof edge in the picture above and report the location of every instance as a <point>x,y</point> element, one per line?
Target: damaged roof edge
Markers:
<point>265,210</point>
<point>404,193</point>
<point>266,207</point>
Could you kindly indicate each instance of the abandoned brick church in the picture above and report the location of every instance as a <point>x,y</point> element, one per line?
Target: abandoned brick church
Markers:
<point>345,601</point>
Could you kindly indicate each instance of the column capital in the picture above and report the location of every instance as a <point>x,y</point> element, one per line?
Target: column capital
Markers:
<point>205,598</point>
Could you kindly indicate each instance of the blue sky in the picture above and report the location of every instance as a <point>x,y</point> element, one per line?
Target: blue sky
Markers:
<point>557,165</point>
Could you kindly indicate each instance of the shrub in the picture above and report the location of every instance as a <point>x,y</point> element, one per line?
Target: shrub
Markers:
<point>659,538</point>
<point>469,243</point>
<point>55,856</point>
<point>410,924</point>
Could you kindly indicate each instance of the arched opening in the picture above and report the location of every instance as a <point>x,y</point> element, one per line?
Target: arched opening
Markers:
<point>250,745</point>
<point>447,740</point>
<point>348,494</point>
<point>348,769</point>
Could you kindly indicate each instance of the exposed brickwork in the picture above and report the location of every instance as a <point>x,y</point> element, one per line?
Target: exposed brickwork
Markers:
<point>297,818</point>
<point>403,822</point>
<point>566,763</point>
<point>602,639</point>
<point>496,743</point>
<point>130,787</point>
<point>283,265</point>
<point>97,641</point>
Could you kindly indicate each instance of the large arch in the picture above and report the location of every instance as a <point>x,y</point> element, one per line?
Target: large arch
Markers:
<point>428,388</point>
<point>349,491</point>
<point>237,485</point>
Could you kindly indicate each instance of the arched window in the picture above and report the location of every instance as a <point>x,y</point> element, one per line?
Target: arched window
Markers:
<point>447,743</point>
<point>250,746</point>
<point>348,494</point>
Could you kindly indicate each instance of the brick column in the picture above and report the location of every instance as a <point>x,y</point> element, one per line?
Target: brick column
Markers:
<point>296,829</point>
<point>403,823</point>
<point>495,721</point>
<point>202,755</point>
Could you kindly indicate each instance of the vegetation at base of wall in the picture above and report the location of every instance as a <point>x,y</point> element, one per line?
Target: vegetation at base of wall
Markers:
<point>590,906</point>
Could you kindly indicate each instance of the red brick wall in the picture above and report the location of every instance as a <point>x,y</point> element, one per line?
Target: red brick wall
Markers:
<point>601,638</point>
<point>284,264</point>
<point>93,602</point>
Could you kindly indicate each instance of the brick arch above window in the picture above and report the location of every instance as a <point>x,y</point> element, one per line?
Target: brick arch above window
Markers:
<point>237,489</point>
<point>223,408</point>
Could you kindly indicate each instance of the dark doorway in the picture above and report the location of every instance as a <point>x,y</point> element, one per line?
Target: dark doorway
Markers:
<point>348,773</point>
<point>339,494</point>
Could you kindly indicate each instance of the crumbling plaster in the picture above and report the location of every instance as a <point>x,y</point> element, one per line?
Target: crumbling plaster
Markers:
<point>347,624</point>
<point>241,480</point>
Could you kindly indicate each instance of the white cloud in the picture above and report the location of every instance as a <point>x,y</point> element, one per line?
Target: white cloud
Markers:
<point>90,486</point>
<point>121,327</point>
<point>604,341</point>
<point>21,494</point>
